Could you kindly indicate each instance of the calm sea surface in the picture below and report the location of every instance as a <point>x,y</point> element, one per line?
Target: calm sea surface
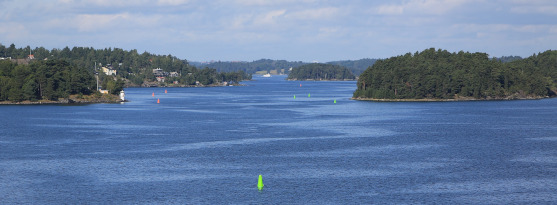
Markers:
<point>208,146</point>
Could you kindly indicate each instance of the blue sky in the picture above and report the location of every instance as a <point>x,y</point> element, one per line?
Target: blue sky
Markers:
<point>296,30</point>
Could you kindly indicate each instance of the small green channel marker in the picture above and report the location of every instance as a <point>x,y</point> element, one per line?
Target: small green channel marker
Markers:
<point>260,183</point>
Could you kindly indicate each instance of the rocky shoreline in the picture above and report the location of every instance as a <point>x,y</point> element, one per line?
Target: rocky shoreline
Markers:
<point>295,79</point>
<point>73,99</point>
<point>449,100</point>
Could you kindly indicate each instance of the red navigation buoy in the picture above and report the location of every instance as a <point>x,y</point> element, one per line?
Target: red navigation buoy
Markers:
<point>158,100</point>
<point>164,91</point>
<point>153,94</point>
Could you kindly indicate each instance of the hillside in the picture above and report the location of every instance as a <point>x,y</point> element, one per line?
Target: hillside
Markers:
<point>136,69</point>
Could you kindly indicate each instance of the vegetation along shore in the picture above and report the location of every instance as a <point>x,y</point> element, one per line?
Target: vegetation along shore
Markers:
<point>438,75</point>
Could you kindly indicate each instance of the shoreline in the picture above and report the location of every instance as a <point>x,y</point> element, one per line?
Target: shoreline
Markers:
<point>446,100</point>
<point>321,80</point>
<point>72,100</point>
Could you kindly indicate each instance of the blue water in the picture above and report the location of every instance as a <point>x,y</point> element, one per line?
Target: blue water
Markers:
<point>208,146</point>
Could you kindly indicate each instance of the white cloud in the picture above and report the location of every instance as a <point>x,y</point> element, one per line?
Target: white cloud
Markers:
<point>99,22</point>
<point>541,9</point>
<point>390,9</point>
<point>12,31</point>
<point>505,28</point>
<point>315,14</point>
<point>428,7</point>
<point>270,3</point>
<point>172,2</point>
<point>269,18</point>
<point>354,27</point>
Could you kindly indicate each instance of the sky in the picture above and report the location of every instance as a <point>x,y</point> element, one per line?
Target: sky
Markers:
<point>294,30</point>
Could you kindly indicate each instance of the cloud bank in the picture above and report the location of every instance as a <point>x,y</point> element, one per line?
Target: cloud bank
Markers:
<point>307,30</point>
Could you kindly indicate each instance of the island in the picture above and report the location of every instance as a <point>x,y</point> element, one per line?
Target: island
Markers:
<point>320,71</point>
<point>439,75</point>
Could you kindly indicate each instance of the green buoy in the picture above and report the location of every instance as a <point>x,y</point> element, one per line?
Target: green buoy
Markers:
<point>260,183</point>
<point>309,95</point>
<point>335,101</point>
<point>294,96</point>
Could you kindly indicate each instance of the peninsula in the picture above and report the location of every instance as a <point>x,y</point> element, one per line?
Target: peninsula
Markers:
<point>88,75</point>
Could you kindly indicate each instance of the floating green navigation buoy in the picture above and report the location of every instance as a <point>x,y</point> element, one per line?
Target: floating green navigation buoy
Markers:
<point>260,183</point>
<point>335,101</point>
<point>294,96</point>
<point>309,95</point>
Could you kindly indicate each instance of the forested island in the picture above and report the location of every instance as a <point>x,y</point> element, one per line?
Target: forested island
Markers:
<point>441,75</point>
<point>320,71</point>
<point>70,75</point>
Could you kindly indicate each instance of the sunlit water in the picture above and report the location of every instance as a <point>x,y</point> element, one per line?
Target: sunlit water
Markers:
<point>208,146</point>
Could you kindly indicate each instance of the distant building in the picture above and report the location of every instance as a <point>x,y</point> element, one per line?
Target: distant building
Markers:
<point>160,79</point>
<point>174,74</point>
<point>109,71</point>
<point>103,91</point>
<point>159,73</point>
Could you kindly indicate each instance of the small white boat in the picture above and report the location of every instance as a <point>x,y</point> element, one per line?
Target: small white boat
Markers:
<point>267,75</point>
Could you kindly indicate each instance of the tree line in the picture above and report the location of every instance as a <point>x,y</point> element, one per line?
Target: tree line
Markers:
<point>252,67</point>
<point>132,68</point>
<point>355,66</point>
<point>48,80</point>
<point>320,71</point>
<point>439,74</point>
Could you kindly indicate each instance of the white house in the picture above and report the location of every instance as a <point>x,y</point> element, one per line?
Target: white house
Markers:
<point>109,71</point>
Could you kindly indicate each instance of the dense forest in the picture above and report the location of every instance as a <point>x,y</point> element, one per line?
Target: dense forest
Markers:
<point>439,74</point>
<point>48,80</point>
<point>320,71</point>
<point>27,66</point>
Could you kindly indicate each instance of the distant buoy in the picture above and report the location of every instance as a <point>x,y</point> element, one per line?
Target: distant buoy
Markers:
<point>309,95</point>
<point>159,100</point>
<point>165,91</point>
<point>294,96</point>
<point>153,94</point>
<point>260,183</point>
<point>335,101</point>
<point>300,85</point>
